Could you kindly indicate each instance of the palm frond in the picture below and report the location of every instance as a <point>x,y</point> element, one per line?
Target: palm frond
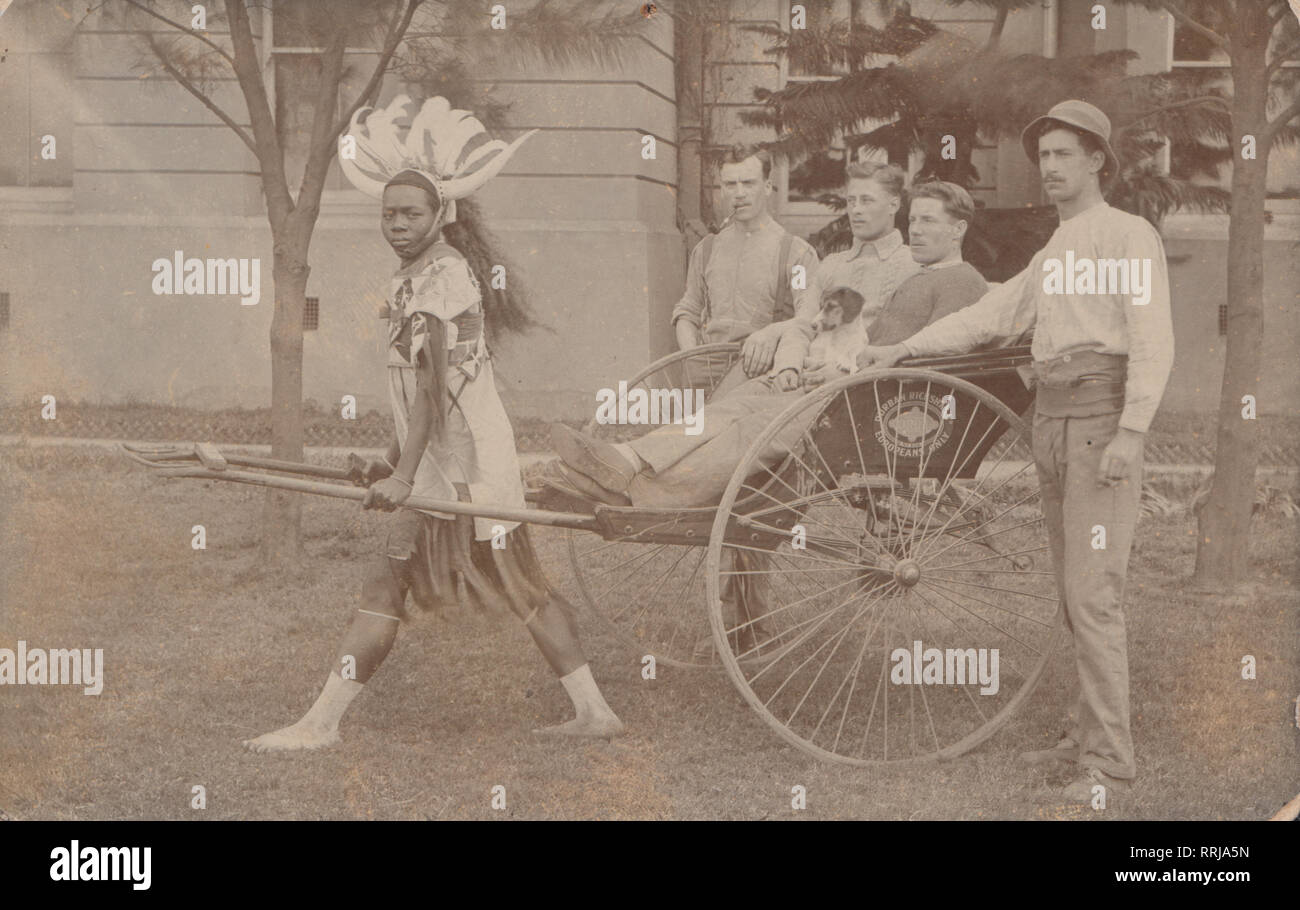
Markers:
<point>816,174</point>
<point>1269,500</point>
<point>842,43</point>
<point>427,67</point>
<point>554,34</point>
<point>807,115</point>
<point>1153,195</point>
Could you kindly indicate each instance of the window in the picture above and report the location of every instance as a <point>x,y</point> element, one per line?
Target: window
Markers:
<point>841,17</point>
<point>4,311</point>
<point>298,32</point>
<point>36,90</point>
<point>1223,319</point>
<point>1191,51</point>
<point>844,18</point>
<point>311,315</point>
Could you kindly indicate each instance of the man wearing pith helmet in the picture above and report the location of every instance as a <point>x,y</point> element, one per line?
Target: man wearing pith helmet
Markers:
<point>1101,361</point>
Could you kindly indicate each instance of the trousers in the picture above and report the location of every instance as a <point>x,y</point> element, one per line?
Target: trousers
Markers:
<point>694,469</point>
<point>1090,531</point>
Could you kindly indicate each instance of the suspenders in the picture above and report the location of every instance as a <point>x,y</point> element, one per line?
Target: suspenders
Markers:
<point>782,307</point>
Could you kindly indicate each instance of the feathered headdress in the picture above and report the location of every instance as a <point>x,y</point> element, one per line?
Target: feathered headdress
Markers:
<point>450,149</point>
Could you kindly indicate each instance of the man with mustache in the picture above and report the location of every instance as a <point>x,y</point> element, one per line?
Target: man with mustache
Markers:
<point>1101,361</point>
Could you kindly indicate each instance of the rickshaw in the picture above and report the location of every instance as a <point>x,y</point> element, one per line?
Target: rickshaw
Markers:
<point>883,593</point>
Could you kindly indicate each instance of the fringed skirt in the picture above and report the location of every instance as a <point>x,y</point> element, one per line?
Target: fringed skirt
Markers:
<point>440,564</point>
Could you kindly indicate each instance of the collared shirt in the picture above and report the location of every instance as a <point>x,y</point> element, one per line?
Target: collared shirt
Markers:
<point>873,268</point>
<point>1066,322</point>
<point>738,285</point>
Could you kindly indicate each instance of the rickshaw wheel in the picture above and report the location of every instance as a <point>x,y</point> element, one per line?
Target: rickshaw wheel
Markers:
<point>899,620</point>
<point>649,594</point>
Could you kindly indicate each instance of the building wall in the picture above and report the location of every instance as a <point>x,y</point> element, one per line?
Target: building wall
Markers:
<point>587,222</point>
<point>1196,245</point>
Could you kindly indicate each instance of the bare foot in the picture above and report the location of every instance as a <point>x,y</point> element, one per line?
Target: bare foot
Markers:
<point>603,727</point>
<point>300,736</point>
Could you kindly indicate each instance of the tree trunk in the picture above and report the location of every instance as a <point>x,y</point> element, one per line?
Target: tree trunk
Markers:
<point>282,512</point>
<point>1222,546</point>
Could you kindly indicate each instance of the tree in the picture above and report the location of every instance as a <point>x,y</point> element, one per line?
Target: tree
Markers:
<point>932,85</point>
<point>451,37</point>
<point>913,88</point>
<point>1259,37</point>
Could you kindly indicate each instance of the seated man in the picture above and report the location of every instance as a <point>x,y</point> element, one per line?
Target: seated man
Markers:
<point>738,281</point>
<point>937,219</point>
<point>668,467</point>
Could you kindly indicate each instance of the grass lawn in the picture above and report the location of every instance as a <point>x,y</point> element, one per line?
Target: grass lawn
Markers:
<point>201,651</point>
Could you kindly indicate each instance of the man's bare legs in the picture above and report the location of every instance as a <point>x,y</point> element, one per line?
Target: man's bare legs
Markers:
<point>556,634</point>
<point>370,636</point>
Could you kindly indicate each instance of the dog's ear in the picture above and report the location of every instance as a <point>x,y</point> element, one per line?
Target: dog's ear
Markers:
<point>848,300</point>
<point>851,308</point>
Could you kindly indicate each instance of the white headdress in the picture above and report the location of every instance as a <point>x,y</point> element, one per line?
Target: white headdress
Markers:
<point>449,148</point>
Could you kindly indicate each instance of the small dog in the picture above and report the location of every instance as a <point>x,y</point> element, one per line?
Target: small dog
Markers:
<point>841,336</point>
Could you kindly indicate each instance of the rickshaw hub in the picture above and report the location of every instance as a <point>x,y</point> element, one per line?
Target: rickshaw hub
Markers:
<point>907,572</point>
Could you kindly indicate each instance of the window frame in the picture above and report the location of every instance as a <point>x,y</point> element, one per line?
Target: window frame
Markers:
<point>28,57</point>
<point>333,198</point>
<point>781,169</point>
<point>1273,205</point>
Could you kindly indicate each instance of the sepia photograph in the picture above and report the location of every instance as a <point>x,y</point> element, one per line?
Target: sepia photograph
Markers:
<point>697,410</point>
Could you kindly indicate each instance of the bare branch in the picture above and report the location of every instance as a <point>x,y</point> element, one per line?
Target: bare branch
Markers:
<point>189,31</point>
<point>269,154</point>
<point>321,148</point>
<point>1208,34</point>
<point>1290,112</point>
<point>207,102</point>
<point>394,37</point>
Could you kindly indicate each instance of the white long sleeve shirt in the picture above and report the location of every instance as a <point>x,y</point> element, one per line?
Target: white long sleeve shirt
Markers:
<point>1070,311</point>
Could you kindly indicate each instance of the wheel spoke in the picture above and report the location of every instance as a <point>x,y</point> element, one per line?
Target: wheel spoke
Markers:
<point>968,505</point>
<point>971,562</point>
<point>939,589</point>
<point>804,647</point>
<point>793,605</point>
<point>1012,507</point>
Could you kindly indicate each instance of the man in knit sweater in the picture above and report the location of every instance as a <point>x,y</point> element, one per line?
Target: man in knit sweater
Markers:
<point>938,216</point>
<point>1097,297</point>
